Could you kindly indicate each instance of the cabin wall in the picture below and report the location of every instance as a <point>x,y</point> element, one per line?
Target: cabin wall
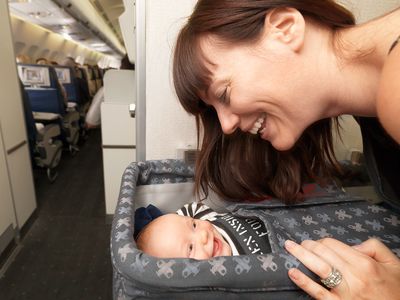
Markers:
<point>17,193</point>
<point>168,126</point>
<point>365,10</point>
<point>35,41</point>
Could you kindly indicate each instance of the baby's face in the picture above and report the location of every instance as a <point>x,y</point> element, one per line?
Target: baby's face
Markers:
<point>172,235</point>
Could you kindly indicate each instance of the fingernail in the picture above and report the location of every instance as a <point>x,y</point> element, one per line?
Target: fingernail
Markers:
<point>289,244</point>
<point>293,274</point>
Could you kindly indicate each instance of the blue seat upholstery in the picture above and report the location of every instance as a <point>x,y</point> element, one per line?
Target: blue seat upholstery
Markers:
<point>44,146</point>
<point>67,78</point>
<point>42,85</point>
<point>45,100</point>
<point>45,95</point>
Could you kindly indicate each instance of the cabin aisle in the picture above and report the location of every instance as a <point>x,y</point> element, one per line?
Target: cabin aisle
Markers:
<point>65,254</point>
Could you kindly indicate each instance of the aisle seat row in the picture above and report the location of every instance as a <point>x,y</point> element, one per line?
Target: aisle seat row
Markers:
<point>55,100</point>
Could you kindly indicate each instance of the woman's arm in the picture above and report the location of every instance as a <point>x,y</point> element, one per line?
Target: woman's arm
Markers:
<point>388,98</point>
<point>369,270</point>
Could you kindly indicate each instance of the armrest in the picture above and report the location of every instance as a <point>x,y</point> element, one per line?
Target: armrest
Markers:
<point>45,116</point>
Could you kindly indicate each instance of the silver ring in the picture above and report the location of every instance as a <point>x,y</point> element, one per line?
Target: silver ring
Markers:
<point>333,279</point>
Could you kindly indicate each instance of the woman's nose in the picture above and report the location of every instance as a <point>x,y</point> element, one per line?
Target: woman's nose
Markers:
<point>229,121</point>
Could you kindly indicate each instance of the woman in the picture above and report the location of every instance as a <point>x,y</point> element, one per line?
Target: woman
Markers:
<point>266,80</point>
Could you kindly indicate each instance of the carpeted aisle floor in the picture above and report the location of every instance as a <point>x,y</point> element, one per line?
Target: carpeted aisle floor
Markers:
<point>65,253</point>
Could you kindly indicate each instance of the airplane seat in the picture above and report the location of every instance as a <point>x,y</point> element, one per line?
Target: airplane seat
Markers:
<point>84,93</point>
<point>44,145</point>
<point>84,98</point>
<point>66,76</point>
<point>71,116</point>
<point>44,91</point>
<point>90,79</point>
<point>99,80</point>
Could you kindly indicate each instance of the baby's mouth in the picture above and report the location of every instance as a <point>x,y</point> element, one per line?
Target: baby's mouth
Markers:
<point>216,247</point>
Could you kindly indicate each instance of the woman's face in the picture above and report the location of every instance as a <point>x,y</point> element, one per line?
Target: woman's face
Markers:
<point>261,89</point>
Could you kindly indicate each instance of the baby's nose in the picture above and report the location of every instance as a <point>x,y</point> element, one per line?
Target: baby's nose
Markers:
<point>203,236</point>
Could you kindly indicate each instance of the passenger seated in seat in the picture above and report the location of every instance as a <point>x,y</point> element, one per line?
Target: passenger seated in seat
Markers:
<point>198,232</point>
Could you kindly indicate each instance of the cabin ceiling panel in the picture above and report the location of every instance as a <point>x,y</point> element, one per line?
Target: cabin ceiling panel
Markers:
<point>41,12</point>
<point>110,10</point>
<point>51,16</point>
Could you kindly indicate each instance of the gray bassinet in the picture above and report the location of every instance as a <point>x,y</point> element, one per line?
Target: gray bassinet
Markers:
<point>327,212</point>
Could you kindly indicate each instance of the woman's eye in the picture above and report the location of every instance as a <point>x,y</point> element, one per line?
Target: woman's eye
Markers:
<point>224,96</point>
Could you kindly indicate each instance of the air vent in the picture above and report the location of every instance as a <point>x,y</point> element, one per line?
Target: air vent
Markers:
<point>40,14</point>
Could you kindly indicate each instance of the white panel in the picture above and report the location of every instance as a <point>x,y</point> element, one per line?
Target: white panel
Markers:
<point>119,86</point>
<point>168,126</point>
<point>7,215</point>
<point>351,139</point>
<point>127,24</point>
<point>115,162</point>
<point>22,184</point>
<point>118,131</point>
<point>365,10</point>
<point>13,125</point>
<point>11,116</point>
<point>117,126</point>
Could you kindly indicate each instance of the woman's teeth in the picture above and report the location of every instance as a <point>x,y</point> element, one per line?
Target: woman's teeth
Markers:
<point>257,125</point>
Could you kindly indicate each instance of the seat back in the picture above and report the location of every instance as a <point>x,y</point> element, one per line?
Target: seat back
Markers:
<point>97,75</point>
<point>45,100</point>
<point>90,79</point>
<point>43,88</point>
<point>66,76</point>
<point>83,84</point>
<point>36,76</point>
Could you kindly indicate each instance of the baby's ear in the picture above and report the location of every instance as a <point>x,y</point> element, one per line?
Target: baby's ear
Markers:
<point>286,25</point>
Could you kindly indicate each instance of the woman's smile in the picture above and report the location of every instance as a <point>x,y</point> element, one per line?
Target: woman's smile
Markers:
<point>259,125</point>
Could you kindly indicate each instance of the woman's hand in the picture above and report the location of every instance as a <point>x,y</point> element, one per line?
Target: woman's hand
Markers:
<point>369,270</point>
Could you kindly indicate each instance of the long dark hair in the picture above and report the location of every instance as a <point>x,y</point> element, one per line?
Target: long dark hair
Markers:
<point>242,166</point>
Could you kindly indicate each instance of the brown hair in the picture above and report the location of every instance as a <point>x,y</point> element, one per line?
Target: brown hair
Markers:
<point>241,166</point>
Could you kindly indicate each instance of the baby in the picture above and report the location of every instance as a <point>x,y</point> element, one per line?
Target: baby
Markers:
<point>198,232</point>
